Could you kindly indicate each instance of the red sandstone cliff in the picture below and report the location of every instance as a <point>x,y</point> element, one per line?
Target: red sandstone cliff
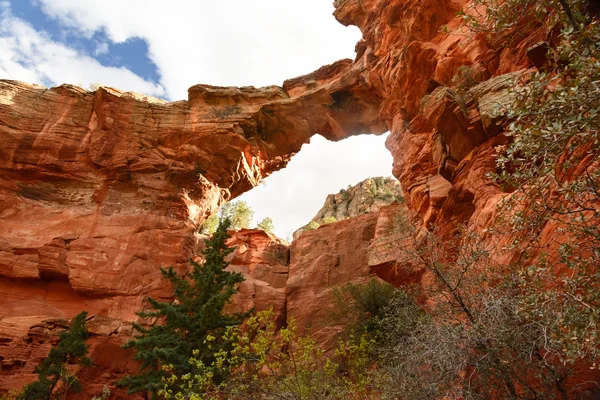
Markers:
<point>99,189</point>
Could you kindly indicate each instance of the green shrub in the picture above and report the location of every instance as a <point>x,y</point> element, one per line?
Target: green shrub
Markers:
<point>358,307</point>
<point>105,394</point>
<point>311,225</point>
<point>373,189</point>
<point>270,363</point>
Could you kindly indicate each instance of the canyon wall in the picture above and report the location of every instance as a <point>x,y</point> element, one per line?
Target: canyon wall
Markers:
<point>296,282</point>
<point>99,189</point>
<point>442,136</point>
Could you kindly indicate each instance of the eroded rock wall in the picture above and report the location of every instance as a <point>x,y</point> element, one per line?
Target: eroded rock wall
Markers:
<point>35,312</point>
<point>363,198</point>
<point>320,260</point>
<point>443,131</point>
<point>99,189</point>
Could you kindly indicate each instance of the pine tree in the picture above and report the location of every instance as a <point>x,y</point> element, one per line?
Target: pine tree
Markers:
<point>71,349</point>
<point>193,323</point>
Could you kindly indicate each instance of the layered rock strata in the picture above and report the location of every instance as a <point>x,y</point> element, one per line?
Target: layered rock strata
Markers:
<point>297,282</point>
<point>34,313</point>
<point>98,189</point>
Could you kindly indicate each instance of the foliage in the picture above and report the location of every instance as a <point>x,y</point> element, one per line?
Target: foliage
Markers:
<point>551,167</point>
<point>210,225</point>
<point>389,196</point>
<point>270,363</point>
<point>71,349</point>
<point>238,212</point>
<point>266,225</point>
<point>359,307</point>
<point>194,318</point>
<point>311,225</point>
<point>477,339</point>
<point>328,220</point>
<point>464,79</point>
<point>373,189</point>
<point>502,15</point>
<point>105,394</point>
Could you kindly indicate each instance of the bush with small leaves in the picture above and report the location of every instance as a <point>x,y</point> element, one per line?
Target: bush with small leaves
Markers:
<point>267,363</point>
<point>464,79</point>
<point>311,225</point>
<point>105,394</point>
<point>490,330</point>
<point>359,306</point>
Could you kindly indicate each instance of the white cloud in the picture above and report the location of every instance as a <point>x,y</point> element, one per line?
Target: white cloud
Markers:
<point>31,56</point>
<point>225,42</point>
<point>292,196</point>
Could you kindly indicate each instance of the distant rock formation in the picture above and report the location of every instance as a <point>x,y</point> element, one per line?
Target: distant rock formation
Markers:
<point>363,198</point>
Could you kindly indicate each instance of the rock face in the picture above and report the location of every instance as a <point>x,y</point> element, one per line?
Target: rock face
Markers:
<point>296,282</point>
<point>98,189</point>
<point>264,261</point>
<point>321,259</point>
<point>34,313</point>
<point>363,198</point>
<point>415,51</point>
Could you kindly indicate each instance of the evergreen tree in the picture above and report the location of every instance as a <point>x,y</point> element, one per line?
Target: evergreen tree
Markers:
<point>193,323</point>
<point>71,349</point>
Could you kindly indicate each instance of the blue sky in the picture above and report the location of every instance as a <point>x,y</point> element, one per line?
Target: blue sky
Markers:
<point>161,48</point>
<point>131,54</point>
